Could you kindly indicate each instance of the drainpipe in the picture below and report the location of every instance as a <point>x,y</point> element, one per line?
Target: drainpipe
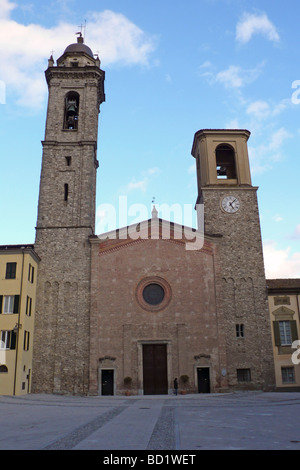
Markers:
<point>297,297</point>
<point>18,324</point>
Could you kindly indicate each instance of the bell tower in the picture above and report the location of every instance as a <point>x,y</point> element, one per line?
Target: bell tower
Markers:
<point>231,215</point>
<point>66,219</point>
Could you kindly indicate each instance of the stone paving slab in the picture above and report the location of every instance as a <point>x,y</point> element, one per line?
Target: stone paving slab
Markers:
<point>234,421</point>
<point>130,430</point>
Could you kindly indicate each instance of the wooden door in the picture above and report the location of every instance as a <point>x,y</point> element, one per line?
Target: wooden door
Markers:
<point>155,369</point>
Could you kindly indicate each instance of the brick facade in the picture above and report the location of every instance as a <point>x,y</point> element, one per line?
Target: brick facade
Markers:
<point>189,324</point>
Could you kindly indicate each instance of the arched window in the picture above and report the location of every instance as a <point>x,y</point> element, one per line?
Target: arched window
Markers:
<point>71,110</point>
<point>3,368</point>
<point>225,159</point>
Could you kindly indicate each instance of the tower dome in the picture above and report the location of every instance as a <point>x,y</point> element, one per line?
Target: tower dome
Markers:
<point>79,46</point>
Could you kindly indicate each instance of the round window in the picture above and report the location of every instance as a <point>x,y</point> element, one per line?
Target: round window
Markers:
<point>153,294</point>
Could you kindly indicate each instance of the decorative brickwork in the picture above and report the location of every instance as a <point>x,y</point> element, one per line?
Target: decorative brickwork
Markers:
<point>188,322</point>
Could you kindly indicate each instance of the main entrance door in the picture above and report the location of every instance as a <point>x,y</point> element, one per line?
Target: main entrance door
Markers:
<point>203,380</point>
<point>155,369</point>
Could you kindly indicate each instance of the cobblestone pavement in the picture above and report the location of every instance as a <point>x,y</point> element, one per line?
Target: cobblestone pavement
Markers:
<point>248,420</point>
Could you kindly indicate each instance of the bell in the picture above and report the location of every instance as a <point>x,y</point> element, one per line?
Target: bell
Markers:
<point>71,108</point>
<point>221,171</point>
<point>70,122</point>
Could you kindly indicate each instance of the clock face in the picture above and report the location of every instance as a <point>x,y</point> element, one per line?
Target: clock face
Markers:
<point>230,204</point>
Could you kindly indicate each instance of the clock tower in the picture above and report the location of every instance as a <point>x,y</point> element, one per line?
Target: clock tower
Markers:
<point>231,215</point>
<point>66,218</point>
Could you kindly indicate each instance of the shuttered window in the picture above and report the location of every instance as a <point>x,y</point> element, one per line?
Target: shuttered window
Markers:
<point>285,332</point>
<point>28,306</point>
<point>288,375</point>
<point>26,341</point>
<point>8,340</point>
<point>11,269</point>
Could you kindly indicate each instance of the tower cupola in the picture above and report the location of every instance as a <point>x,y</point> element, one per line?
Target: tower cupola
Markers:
<point>78,54</point>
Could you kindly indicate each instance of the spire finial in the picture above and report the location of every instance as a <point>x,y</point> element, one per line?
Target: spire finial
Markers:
<point>82,27</point>
<point>154,210</point>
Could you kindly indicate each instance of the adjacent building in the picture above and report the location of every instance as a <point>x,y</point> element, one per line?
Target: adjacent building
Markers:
<point>284,302</point>
<point>18,276</point>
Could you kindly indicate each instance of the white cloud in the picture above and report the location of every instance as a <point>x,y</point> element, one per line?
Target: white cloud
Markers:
<point>277,218</point>
<point>252,24</point>
<point>296,233</point>
<point>278,137</point>
<point>263,156</point>
<point>233,124</point>
<point>191,169</point>
<point>24,49</point>
<point>153,171</point>
<point>119,39</point>
<point>261,109</point>
<point>280,263</point>
<point>230,77</point>
<point>133,185</point>
<point>207,64</point>
<point>5,8</point>
<point>237,77</point>
<point>141,184</point>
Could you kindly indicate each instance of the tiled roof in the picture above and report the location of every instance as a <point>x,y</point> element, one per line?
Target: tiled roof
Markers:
<point>283,283</point>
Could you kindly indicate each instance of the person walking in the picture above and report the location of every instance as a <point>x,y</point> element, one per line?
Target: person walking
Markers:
<point>175,386</point>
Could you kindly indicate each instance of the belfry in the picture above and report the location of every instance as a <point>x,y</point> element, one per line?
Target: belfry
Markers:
<point>66,219</point>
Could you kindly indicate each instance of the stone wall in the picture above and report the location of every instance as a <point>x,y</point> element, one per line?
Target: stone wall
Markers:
<point>241,284</point>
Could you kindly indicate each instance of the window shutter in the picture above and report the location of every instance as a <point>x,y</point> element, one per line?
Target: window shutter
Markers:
<point>11,269</point>
<point>16,304</point>
<point>294,330</point>
<point>13,340</point>
<point>276,333</point>
<point>1,300</point>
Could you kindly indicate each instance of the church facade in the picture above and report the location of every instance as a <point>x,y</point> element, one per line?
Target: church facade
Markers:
<point>121,313</point>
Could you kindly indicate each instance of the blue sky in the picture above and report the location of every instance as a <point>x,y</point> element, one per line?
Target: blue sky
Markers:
<point>172,68</point>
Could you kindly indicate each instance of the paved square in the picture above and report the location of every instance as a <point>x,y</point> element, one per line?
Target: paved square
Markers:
<point>249,420</point>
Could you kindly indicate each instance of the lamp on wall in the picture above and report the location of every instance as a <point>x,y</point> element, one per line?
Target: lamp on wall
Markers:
<point>16,327</point>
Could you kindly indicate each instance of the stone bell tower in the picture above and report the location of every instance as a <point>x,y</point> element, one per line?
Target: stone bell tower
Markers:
<point>231,213</point>
<point>66,218</point>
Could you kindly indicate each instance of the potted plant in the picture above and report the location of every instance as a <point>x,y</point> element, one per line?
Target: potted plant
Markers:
<point>127,383</point>
<point>184,379</point>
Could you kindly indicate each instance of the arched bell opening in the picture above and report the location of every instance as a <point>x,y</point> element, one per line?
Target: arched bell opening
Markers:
<point>225,160</point>
<point>71,111</point>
